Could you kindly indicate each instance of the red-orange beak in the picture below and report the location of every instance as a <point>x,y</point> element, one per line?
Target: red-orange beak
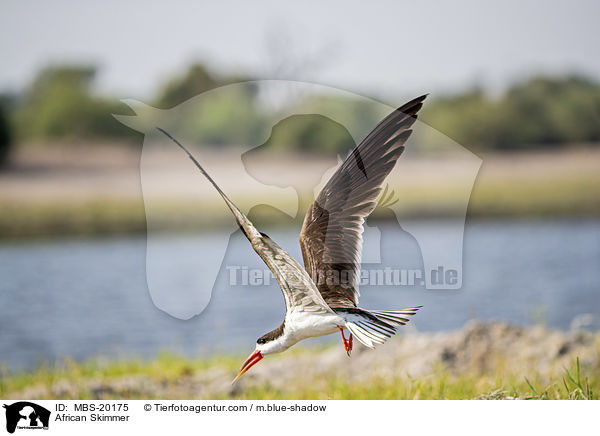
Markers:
<point>249,363</point>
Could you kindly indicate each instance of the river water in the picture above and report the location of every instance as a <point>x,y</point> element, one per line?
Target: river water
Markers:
<point>89,297</point>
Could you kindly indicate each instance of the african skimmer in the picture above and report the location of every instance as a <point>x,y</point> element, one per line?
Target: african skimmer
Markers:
<point>322,297</point>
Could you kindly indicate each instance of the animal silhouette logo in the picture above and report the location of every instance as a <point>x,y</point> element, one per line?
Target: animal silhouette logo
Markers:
<point>26,415</point>
<point>406,244</point>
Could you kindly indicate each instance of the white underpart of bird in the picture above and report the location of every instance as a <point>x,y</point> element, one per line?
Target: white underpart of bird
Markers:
<point>331,243</point>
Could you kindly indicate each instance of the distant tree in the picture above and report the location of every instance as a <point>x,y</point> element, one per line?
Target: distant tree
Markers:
<point>550,111</point>
<point>5,137</point>
<point>468,118</point>
<point>230,116</point>
<point>538,112</point>
<point>313,133</point>
<point>195,81</point>
<point>59,103</point>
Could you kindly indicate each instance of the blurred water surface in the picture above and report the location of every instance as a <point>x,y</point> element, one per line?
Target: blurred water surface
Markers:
<point>88,297</point>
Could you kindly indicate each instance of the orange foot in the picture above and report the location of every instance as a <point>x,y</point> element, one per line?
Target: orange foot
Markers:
<point>347,343</point>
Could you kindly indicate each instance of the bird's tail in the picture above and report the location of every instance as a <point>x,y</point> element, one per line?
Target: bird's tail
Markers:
<point>374,327</point>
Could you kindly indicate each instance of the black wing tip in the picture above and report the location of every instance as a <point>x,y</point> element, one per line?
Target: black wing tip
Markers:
<point>413,106</point>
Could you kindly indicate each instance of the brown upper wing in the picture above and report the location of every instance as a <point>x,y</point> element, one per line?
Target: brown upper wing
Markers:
<point>331,236</point>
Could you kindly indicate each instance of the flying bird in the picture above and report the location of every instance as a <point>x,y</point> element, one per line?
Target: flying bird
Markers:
<point>322,297</point>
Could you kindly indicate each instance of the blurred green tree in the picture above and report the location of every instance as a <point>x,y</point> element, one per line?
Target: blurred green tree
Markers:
<point>59,103</point>
<point>177,90</point>
<point>539,112</point>
<point>5,135</point>
<point>228,117</point>
<point>550,111</point>
<point>311,133</point>
<point>468,118</point>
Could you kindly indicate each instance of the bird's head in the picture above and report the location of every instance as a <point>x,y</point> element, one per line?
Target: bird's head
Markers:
<point>270,343</point>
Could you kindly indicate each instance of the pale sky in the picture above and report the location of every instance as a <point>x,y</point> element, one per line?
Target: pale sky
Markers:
<point>380,49</point>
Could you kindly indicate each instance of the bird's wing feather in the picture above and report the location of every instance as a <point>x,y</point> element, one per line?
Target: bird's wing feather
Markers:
<point>298,289</point>
<point>331,236</point>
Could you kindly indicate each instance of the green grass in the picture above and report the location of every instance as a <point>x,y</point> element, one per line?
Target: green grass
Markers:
<point>572,196</point>
<point>170,375</point>
<point>165,368</point>
<point>24,219</point>
<point>442,385</point>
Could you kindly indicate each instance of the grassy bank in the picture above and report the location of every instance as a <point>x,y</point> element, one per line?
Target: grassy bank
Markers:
<point>98,192</point>
<point>572,197</point>
<point>485,361</point>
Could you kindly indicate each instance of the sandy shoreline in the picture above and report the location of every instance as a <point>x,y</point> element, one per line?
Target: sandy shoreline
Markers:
<point>495,355</point>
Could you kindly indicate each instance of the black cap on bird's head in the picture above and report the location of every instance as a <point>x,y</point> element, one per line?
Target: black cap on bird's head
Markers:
<point>268,343</point>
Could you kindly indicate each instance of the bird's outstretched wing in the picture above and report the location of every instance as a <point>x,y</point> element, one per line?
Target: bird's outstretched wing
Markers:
<point>298,289</point>
<point>331,236</point>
